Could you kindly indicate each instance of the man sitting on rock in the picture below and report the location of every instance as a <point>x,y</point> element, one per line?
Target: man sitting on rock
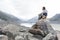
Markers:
<point>44,13</point>
<point>40,28</point>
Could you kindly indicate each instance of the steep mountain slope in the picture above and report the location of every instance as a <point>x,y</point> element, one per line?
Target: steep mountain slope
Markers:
<point>55,18</point>
<point>8,17</point>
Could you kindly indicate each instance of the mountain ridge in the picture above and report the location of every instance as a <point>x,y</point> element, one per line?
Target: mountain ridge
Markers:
<point>8,17</point>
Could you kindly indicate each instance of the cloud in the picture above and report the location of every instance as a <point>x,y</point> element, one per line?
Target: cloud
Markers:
<point>27,9</point>
<point>7,7</point>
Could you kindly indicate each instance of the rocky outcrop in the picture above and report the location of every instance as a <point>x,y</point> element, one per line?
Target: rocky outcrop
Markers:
<point>25,35</point>
<point>3,37</point>
<point>51,36</point>
<point>48,33</point>
<point>17,32</point>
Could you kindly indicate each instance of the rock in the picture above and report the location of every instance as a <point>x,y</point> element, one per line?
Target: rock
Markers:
<point>43,28</point>
<point>27,36</point>
<point>50,29</point>
<point>22,36</point>
<point>12,28</point>
<point>33,38</point>
<point>58,34</point>
<point>51,36</point>
<point>3,23</point>
<point>19,38</point>
<point>18,32</point>
<point>46,30</point>
<point>9,35</point>
<point>3,37</point>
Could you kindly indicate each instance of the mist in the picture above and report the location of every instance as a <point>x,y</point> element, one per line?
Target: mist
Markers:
<point>27,9</point>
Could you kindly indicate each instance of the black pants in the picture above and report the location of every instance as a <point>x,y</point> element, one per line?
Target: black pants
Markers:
<point>45,14</point>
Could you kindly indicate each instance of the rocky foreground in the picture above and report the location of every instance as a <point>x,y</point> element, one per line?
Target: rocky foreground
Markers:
<point>14,31</point>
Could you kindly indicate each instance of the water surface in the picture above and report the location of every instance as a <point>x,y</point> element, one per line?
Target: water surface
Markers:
<point>54,26</point>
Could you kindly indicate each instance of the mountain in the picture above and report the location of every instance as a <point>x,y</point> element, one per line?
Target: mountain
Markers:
<point>55,19</point>
<point>7,17</point>
<point>33,20</point>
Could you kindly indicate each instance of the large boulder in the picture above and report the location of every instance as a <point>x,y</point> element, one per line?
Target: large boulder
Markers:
<point>17,32</point>
<point>51,36</point>
<point>27,36</point>
<point>46,28</point>
<point>11,30</point>
<point>58,34</point>
<point>19,38</point>
<point>3,37</point>
<point>41,27</point>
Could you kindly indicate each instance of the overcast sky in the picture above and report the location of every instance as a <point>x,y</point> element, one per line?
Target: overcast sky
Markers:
<point>27,9</point>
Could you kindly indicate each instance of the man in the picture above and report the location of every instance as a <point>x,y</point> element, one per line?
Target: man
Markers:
<point>43,14</point>
<point>40,28</point>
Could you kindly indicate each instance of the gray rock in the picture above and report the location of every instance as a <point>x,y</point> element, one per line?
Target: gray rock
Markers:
<point>51,36</point>
<point>3,37</point>
<point>44,27</point>
<point>58,34</point>
<point>27,36</point>
<point>9,35</point>
<point>48,33</point>
<point>19,38</point>
<point>11,30</point>
<point>17,32</point>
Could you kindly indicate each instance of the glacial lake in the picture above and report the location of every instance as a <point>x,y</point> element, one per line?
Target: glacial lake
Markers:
<point>54,26</point>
